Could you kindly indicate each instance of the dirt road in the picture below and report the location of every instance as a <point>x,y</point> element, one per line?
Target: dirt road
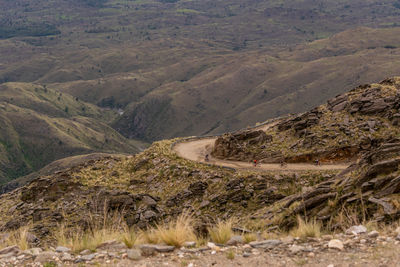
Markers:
<point>197,149</point>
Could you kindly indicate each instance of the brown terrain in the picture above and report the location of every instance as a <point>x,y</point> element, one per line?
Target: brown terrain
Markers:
<point>316,216</point>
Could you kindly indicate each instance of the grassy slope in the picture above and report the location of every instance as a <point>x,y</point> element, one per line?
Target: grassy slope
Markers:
<point>40,125</point>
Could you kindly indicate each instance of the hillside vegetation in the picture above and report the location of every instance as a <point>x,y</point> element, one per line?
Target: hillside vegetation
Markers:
<point>40,125</point>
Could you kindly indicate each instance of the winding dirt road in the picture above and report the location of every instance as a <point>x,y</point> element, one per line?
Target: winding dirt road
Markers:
<point>197,149</point>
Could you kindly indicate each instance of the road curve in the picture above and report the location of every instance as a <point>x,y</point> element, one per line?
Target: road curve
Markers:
<point>196,150</point>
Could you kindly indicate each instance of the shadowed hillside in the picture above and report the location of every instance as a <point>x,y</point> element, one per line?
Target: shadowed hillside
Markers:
<point>40,125</point>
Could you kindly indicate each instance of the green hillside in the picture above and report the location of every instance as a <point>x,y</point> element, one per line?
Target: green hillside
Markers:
<point>40,125</point>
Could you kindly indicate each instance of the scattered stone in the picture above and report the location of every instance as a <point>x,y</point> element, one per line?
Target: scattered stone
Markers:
<point>46,256</point>
<point>147,250</point>
<point>373,234</point>
<point>85,252</point>
<point>12,249</point>
<point>33,251</point>
<point>189,244</point>
<point>287,239</point>
<point>134,254</point>
<point>357,229</point>
<point>88,257</point>
<point>67,257</point>
<point>336,243</point>
<point>61,249</point>
<point>246,254</point>
<point>398,237</point>
<point>235,240</point>
<point>265,244</point>
<point>211,245</point>
<point>296,249</point>
<point>112,245</point>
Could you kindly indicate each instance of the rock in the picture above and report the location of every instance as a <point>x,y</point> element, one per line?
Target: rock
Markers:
<point>134,254</point>
<point>62,249</point>
<point>235,240</point>
<point>164,249</point>
<point>287,239</point>
<point>336,243</point>
<point>211,245</point>
<point>33,251</point>
<point>148,250</point>
<point>373,234</point>
<point>46,256</point>
<point>85,252</point>
<point>7,256</point>
<point>67,257</point>
<point>88,257</point>
<point>10,250</point>
<point>357,229</point>
<point>189,244</point>
<point>111,245</point>
<point>296,249</point>
<point>397,230</point>
<point>265,244</point>
<point>246,254</point>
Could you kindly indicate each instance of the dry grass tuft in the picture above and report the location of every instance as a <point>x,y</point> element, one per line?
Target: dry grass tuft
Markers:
<point>111,227</point>
<point>17,238</point>
<point>221,232</point>
<point>175,233</point>
<point>306,229</point>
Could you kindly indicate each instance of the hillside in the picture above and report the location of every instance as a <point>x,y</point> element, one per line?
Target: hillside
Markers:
<point>212,66</point>
<point>40,125</point>
<point>157,184</point>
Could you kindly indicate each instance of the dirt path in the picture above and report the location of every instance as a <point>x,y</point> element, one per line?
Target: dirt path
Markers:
<point>197,149</point>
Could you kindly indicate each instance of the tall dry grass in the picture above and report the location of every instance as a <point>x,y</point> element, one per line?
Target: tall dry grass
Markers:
<point>174,233</point>
<point>222,231</point>
<point>306,229</point>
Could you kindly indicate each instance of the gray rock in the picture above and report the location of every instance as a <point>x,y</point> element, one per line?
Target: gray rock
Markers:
<point>164,249</point>
<point>134,254</point>
<point>147,250</point>
<point>7,256</point>
<point>189,244</point>
<point>33,251</point>
<point>85,252</point>
<point>296,249</point>
<point>246,254</point>
<point>12,249</point>
<point>265,243</point>
<point>46,256</point>
<point>88,257</point>
<point>62,249</point>
<point>398,237</point>
<point>336,243</point>
<point>111,245</point>
<point>67,257</point>
<point>373,234</point>
<point>235,240</point>
<point>149,215</point>
<point>357,229</point>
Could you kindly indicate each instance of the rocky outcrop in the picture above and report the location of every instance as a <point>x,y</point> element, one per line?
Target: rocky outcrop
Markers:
<point>374,187</point>
<point>231,145</point>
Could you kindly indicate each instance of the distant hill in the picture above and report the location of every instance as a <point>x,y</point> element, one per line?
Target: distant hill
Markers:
<point>40,125</point>
<point>179,68</point>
